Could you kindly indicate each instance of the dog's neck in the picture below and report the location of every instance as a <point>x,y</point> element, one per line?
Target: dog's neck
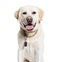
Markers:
<point>28,34</point>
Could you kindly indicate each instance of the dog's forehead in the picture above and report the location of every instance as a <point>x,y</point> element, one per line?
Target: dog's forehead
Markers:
<point>29,8</point>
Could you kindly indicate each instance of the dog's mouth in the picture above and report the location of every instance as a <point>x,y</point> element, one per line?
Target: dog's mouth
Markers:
<point>30,26</point>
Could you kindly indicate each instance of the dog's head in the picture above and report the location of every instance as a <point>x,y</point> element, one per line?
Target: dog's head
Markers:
<point>29,17</point>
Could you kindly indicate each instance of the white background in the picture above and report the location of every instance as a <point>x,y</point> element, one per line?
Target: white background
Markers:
<point>9,28</point>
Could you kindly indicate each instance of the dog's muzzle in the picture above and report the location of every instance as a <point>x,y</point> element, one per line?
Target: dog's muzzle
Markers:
<point>29,26</point>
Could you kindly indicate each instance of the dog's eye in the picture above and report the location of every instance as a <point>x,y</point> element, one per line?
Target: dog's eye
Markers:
<point>33,12</point>
<point>24,13</point>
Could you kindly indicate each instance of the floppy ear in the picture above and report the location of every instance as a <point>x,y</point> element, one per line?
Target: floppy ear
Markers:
<point>17,14</point>
<point>40,14</point>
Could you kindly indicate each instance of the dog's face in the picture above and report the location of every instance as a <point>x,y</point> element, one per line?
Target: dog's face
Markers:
<point>29,17</point>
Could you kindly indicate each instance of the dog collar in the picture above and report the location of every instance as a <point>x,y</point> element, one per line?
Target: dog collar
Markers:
<point>32,34</point>
<point>25,43</point>
<point>23,32</point>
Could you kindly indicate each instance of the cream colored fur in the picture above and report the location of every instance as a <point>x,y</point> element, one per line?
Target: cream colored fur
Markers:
<point>34,50</point>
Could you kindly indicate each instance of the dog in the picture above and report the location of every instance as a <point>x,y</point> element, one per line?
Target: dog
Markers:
<point>30,36</point>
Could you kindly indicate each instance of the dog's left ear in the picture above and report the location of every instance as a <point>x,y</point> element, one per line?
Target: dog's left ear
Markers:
<point>17,14</point>
<point>41,13</point>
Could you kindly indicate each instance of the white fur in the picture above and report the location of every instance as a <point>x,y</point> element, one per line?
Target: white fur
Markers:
<point>33,51</point>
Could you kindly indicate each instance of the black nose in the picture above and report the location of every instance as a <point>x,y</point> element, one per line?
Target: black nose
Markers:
<point>29,19</point>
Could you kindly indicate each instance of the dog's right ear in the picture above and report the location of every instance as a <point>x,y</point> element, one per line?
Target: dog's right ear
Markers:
<point>17,14</point>
<point>41,13</point>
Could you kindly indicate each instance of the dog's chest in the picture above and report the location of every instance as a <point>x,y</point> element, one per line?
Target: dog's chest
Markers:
<point>32,46</point>
<point>31,42</point>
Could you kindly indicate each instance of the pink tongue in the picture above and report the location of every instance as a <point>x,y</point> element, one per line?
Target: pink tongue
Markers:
<point>29,27</point>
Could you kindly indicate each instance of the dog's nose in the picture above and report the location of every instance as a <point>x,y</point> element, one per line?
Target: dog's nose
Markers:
<point>29,19</point>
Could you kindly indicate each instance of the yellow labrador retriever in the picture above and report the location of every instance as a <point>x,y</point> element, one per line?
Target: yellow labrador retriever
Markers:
<point>30,36</point>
